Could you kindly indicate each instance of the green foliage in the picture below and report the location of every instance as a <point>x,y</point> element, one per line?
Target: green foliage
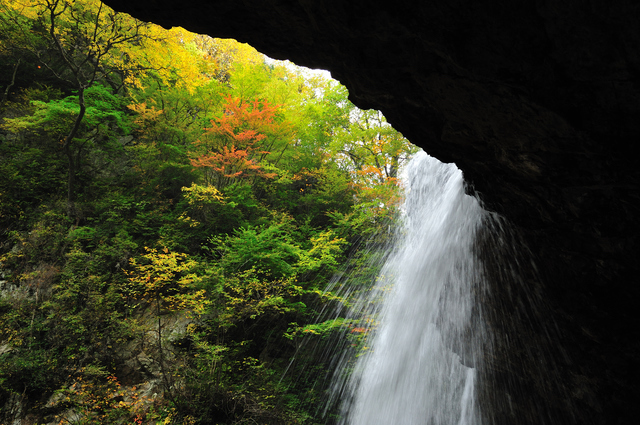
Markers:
<point>166,279</point>
<point>205,205</point>
<point>269,251</point>
<point>30,178</point>
<point>323,256</point>
<point>323,330</point>
<point>22,367</point>
<point>178,204</point>
<point>104,114</point>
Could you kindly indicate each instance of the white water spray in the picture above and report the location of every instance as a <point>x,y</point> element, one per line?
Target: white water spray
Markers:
<point>421,367</point>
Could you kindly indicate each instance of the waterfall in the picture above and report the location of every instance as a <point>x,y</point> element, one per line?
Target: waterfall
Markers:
<point>456,328</point>
<point>421,366</point>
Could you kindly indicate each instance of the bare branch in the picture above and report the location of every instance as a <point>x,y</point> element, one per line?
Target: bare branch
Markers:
<point>12,83</point>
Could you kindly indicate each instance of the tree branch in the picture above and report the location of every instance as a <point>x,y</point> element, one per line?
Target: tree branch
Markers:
<point>12,83</point>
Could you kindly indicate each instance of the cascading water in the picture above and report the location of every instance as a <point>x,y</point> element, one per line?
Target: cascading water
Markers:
<point>421,367</point>
<point>456,328</point>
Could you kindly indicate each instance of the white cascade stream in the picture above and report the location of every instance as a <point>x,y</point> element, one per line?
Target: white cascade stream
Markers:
<point>427,344</point>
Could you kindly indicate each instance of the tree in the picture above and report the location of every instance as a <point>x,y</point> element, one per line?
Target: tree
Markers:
<point>103,122</point>
<point>167,282</point>
<point>369,147</point>
<point>239,141</point>
<point>79,43</point>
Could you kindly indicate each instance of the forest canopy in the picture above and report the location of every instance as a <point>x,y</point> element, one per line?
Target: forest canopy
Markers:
<point>172,208</point>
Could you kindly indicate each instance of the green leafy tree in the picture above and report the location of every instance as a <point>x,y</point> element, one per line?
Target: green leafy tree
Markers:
<point>167,282</point>
<point>369,147</point>
<point>103,122</point>
<point>77,42</point>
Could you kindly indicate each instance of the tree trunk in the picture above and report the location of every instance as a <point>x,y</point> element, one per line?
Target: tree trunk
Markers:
<point>12,83</point>
<point>68,151</point>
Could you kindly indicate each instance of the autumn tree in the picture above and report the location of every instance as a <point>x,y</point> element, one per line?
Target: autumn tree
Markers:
<point>166,281</point>
<point>238,142</point>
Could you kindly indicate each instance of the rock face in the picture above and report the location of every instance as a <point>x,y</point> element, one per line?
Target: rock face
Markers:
<point>538,102</point>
